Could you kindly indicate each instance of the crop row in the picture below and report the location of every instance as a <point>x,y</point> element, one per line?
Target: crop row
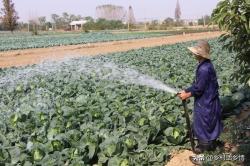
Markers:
<point>25,41</point>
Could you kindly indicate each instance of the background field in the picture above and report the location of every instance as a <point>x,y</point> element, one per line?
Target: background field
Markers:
<point>25,40</point>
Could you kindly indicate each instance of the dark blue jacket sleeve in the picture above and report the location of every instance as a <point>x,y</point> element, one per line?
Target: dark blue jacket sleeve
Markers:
<point>199,85</point>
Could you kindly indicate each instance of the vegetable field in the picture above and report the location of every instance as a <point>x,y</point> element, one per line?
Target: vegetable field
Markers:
<point>79,112</point>
<point>25,40</point>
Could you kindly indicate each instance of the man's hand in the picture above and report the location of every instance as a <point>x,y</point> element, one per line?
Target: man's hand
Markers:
<point>184,95</point>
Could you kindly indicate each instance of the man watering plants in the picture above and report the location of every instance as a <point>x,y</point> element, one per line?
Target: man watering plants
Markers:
<point>207,124</point>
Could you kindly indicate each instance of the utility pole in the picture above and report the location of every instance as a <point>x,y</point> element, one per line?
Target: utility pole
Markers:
<point>204,22</point>
<point>131,17</point>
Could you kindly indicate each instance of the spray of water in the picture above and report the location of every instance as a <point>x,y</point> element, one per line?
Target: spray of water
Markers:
<point>102,68</point>
<point>130,76</point>
<point>23,75</point>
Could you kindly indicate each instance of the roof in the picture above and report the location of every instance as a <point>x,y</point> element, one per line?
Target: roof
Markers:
<point>78,22</point>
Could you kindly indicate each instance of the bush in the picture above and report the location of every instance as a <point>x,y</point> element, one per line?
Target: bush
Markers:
<point>233,16</point>
<point>102,24</point>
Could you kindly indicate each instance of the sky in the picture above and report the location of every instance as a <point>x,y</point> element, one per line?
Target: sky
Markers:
<point>143,9</point>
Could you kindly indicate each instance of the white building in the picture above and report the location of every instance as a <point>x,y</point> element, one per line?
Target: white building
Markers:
<point>77,25</point>
<point>191,21</point>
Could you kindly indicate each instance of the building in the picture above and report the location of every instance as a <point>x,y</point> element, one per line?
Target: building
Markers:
<point>193,22</point>
<point>77,25</point>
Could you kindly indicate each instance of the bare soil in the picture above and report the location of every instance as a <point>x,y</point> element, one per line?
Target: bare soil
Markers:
<point>37,55</point>
<point>181,158</point>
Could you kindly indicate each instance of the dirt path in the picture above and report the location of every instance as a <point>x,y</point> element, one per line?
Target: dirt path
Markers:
<point>34,56</point>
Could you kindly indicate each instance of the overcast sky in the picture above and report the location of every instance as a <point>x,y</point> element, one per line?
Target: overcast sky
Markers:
<point>143,9</point>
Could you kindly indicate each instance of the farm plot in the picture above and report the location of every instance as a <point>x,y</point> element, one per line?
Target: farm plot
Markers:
<point>85,111</point>
<point>25,41</point>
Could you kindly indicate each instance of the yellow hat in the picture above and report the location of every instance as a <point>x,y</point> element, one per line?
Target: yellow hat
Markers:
<point>201,49</point>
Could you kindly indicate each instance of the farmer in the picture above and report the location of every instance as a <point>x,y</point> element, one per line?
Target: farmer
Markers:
<point>207,124</point>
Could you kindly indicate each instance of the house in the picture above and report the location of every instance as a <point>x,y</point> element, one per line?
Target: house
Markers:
<point>77,25</point>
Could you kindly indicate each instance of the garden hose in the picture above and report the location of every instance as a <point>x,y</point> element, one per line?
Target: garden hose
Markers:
<point>191,137</point>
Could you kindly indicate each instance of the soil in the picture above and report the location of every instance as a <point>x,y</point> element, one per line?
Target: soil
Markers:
<point>181,158</point>
<point>242,116</point>
<point>37,55</point>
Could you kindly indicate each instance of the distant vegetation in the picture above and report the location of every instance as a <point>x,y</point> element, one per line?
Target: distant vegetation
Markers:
<point>9,16</point>
<point>102,24</point>
<point>119,19</point>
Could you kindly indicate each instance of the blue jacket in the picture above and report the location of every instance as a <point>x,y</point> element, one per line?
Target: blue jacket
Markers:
<point>207,124</point>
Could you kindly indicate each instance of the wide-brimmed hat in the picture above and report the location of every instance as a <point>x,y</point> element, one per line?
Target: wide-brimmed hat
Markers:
<point>202,49</point>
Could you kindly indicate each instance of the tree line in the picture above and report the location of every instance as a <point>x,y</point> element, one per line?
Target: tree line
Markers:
<point>171,22</point>
<point>10,22</point>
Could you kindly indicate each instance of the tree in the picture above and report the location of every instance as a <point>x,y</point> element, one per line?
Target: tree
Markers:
<point>205,20</point>
<point>178,11</point>
<point>89,19</point>
<point>72,17</point>
<point>65,20</point>
<point>42,22</point>
<point>233,17</point>
<point>48,25</point>
<point>10,15</point>
<point>55,19</point>
<point>34,25</point>
<point>66,17</point>
<point>79,17</point>
<point>168,22</point>
<point>154,24</point>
